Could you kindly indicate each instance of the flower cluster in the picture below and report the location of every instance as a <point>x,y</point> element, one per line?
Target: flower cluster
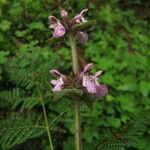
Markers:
<point>60,28</point>
<point>84,78</point>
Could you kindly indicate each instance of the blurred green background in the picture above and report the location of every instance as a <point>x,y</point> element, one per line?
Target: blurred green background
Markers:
<point>119,44</point>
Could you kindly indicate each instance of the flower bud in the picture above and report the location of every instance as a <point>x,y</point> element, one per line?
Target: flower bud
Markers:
<point>82,37</point>
<point>64,13</point>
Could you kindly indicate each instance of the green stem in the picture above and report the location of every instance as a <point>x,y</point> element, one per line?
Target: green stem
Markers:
<point>77,125</point>
<point>76,70</point>
<point>75,59</point>
<point>46,122</point>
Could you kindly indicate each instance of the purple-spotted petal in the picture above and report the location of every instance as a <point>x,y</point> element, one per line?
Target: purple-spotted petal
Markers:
<point>53,19</point>
<point>55,73</point>
<point>82,37</point>
<point>101,90</point>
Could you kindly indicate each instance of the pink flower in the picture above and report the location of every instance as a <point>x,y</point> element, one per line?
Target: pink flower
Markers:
<point>59,29</point>
<point>80,18</point>
<point>90,82</point>
<point>59,83</point>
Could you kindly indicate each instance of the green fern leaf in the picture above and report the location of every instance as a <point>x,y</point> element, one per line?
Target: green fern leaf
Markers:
<point>15,136</point>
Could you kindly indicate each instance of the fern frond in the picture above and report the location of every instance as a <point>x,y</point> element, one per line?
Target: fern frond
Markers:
<point>15,136</point>
<point>129,135</point>
<point>7,98</point>
<point>22,78</point>
<point>14,98</point>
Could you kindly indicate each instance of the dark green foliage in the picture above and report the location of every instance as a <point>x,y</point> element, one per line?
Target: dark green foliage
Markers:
<point>128,135</point>
<point>119,45</point>
<point>15,136</point>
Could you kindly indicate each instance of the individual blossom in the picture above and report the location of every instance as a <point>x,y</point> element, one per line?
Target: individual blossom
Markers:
<point>80,18</point>
<point>67,24</point>
<point>59,29</point>
<point>59,83</point>
<point>90,82</point>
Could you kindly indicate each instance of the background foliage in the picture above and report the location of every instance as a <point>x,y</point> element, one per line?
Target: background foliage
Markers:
<point>119,44</point>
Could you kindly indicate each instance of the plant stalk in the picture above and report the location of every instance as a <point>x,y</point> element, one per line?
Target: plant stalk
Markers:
<point>75,59</point>
<point>46,122</point>
<point>76,70</point>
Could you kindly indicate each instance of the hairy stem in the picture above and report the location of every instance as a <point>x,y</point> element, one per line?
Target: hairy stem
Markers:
<point>46,121</point>
<point>76,70</point>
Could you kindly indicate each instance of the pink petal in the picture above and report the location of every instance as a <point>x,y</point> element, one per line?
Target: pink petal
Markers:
<point>98,73</point>
<point>82,37</point>
<point>90,86</point>
<point>101,90</point>
<point>88,67</point>
<point>59,31</point>
<point>54,82</point>
<point>57,87</point>
<point>52,26</point>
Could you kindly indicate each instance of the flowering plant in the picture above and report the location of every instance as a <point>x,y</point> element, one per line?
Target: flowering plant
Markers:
<point>81,77</point>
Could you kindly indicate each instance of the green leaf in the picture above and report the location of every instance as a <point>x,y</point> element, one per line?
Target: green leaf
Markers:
<point>5,25</point>
<point>54,41</point>
<point>115,122</point>
<point>3,57</point>
<point>132,87</point>
<point>84,26</point>
<point>144,88</point>
<point>127,102</point>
